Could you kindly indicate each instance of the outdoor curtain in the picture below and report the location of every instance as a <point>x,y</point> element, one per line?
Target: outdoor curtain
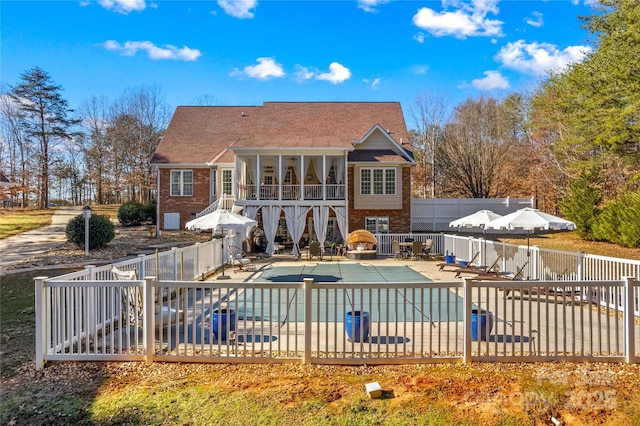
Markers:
<point>338,166</point>
<point>251,211</point>
<point>320,222</point>
<point>341,216</point>
<point>270,221</point>
<point>296,216</point>
<point>305,172</point>
<point>317,165</point>
<point>270,161</point>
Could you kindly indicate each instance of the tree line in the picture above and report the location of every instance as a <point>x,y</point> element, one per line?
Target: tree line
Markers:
<point>99,153</point>
<point>573,142</point>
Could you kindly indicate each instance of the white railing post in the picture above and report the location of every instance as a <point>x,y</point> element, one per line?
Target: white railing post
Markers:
<point>174,256</point>
<point>629,320</point>
<point>141,269</point>
<point>148,319</point>
<point>466,322</point>
<point>92,303</point>
<point>580,266</point>
<point>91,272</point>
<point>534,258</point>
<point>308,287</point>
<point>482,250</point>
<point>41,320</point>
<point>196,260</point>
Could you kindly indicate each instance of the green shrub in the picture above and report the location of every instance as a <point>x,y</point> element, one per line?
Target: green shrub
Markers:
<point>133,213</point>
<point>101,231</point>
<point>150,213</point>
<point>619,221</point>
<point>581,206</point>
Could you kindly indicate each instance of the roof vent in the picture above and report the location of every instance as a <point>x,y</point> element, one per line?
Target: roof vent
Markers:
<point>242,113</point>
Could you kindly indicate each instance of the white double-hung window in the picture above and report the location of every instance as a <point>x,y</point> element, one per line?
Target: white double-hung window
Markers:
<point>182,183</point>
<point>378,181</point>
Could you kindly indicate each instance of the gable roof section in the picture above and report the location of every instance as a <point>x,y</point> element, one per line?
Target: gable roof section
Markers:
<point>388,151</point>
<point>206,134</point>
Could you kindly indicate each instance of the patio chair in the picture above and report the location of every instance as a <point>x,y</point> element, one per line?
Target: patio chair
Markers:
<point>133,303</point>
<point>426,248</point>
<point>238,260</point>
<point>397,253</point>
<point>315,250</point>
<point>504,276</point>
<point>481,269</point>
<point>442,265</point>
<point>416,250</point>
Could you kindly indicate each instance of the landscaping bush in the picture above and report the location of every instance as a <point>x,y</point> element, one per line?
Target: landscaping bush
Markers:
<point>101,231</point>
<point>581,206</point>
<point>133,213</point>
<point>619,221</point>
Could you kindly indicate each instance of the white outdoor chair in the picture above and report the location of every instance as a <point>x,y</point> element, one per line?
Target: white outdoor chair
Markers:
<point>239,261</point>
<point>133,303</point>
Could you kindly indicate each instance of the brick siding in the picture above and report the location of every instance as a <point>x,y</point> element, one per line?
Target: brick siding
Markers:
<point>186,206</point>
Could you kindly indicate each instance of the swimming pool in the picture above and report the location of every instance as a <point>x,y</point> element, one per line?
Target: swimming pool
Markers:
<point>420,303</point>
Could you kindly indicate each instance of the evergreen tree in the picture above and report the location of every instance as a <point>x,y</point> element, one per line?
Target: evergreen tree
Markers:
<point>46,120</point>
<point>581,205</point>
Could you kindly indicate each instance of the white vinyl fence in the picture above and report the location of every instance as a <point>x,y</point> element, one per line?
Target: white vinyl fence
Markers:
<point>243,322</point>
<point>435,214</point>
<point>574,306</point>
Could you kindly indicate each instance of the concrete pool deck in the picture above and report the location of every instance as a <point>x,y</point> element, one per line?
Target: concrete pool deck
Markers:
<point>428,267</point>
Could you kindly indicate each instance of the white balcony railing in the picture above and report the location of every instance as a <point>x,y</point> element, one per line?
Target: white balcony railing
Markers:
<point>291,192</point>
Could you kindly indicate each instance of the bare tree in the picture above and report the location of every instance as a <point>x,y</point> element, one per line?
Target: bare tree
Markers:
<point>98,153</point>
<point>206,100</point>
<point>429,112</point>
<point>472,152</point>
<point>138,119</point>
<point>18,160</point>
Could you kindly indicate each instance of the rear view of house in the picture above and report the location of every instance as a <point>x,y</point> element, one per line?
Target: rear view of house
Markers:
<point>305,170</point>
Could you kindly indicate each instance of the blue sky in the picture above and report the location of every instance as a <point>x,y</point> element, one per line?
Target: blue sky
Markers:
<point>245,52</point>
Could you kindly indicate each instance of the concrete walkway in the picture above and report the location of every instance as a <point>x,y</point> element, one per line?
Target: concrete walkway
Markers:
<point>19,247</point>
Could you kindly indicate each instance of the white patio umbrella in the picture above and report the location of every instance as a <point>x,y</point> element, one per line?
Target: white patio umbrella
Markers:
<point>530,221</point>
<point>222,219</point>
<point>476,220</point>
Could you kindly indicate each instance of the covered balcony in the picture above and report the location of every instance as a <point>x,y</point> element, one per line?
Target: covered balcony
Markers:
<point>291,177</point>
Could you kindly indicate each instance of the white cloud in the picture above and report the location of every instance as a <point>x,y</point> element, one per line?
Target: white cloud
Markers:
<point>539,58</point>
<point>265,69</point>
<point>303,73</point>
<point>373,83</point>
<point>123,6</point>
<point>467,19</point>
<point>492,80</point>
<point>337,74</point>
<point>238,8</point>
<point>370,5</point>
<point>420,69</point>
<point>535,19</point>
<point>130,48</point>
<point>419,37</point>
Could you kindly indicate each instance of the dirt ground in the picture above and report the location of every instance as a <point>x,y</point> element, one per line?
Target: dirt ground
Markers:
<point>128,241</point>
<point>571,393</point>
